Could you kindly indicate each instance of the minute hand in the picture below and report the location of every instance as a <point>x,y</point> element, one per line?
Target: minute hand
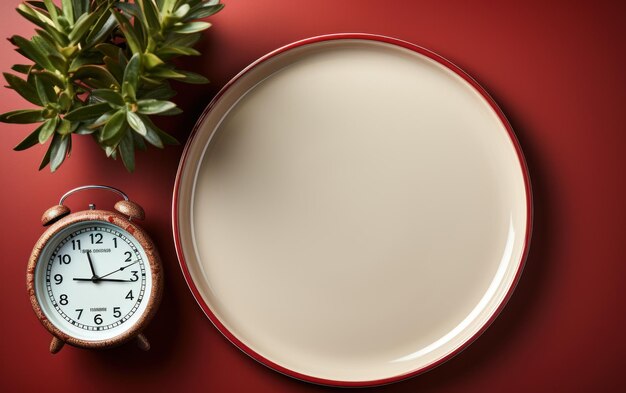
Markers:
<point>115,271</point>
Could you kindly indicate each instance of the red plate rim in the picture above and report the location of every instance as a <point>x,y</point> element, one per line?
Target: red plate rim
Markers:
<point>309,378</point>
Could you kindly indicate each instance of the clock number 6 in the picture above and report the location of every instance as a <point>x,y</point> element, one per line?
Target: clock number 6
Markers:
<point>98,319</point>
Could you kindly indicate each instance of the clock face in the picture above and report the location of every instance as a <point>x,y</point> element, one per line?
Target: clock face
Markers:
<point>93,280</point>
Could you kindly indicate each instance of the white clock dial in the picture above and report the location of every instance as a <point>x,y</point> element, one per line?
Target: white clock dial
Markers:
<point>93,280</point>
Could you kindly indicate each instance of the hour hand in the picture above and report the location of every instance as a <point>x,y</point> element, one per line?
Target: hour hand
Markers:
<point>93,271</point>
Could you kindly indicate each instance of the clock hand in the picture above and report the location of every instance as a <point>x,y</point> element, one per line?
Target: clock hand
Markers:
<point>102,279</point>
<point>115,271</point>
<point>93,272</point>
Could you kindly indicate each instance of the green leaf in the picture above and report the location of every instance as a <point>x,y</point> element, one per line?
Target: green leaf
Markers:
<point>46,157</point>
<point>167,138</point>
<point>114,67</point>
<point>131,38</point>
<point>181,11</point>
<point>129,8</point>
<point>102,120</point>
<point>52,10</point>
<point>135,123</point>
<point>82,129</point>
<point>169,51</point>
<point>81,27</point>
<point>31,51</point>
<point>138,141</point>
<point>155,135</point>
<point>184,39</point>
<point>192,78</point>
<point>65,101</point>
<point>127,151</point>
<point>68,10</point>
<point>108,50</point>
<point>103,27</point>
<point>133,69</point>
<point>34,16</point>
<point>88,112</point>
<point>115,125</point>
<point>129,92</point>
<point>98,73</point>
<point>47,129</point>
<point>153,107</point>
<point>163,72</point>
<point>51,78</point>
<point>65,127</point>
<point>22,88</point>
<point>152,136</point>
<point>110,97</point>
<point>151,14</point>
<point>151,60</point>
<point>172,112</point>
<point>58,150</point>
<point>203,12</point>
<point>168,5</point>
<point>85,58</point>
<point>31,140</point>
<point>58,63</point>
<point>191,27</point>
<point>26,116</point>
<point>45,91</point>
<point>80,6</point>
<point>162,92</point>
<point>22,68</point>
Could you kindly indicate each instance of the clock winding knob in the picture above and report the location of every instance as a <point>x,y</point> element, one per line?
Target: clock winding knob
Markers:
<point>54,214</point>
<point>130,209</point>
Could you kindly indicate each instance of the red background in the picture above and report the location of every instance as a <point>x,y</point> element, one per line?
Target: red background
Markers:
<point>557,71</point>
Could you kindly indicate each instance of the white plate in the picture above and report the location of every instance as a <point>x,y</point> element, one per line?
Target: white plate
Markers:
<point>352,210</point>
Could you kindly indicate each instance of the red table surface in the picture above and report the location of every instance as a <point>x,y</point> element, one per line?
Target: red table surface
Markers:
<point>557,70</point>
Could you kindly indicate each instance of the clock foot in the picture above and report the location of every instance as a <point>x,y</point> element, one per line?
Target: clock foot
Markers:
<point>142,342</point>
<point>56,345</point>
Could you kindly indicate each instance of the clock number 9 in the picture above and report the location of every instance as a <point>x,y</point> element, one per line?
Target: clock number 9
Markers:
<point>58,279</point>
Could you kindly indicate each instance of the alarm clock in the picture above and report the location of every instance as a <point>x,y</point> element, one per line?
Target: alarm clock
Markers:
<point>94,277</point>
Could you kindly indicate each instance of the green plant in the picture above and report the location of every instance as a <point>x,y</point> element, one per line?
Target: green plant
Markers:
<point>102,68</point>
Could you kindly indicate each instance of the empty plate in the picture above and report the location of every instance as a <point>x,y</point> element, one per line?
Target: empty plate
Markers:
<point>352,210</point>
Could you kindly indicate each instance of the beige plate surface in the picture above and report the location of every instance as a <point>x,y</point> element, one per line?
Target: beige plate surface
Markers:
<point>351,210</point>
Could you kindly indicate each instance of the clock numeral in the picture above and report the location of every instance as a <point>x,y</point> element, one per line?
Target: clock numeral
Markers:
<point>58,279</point>
<point>64,259</point>
<point>75,244</point>
<point>135,277</point>
<point>115,242</point>
<point>129,256</point>
<point>63,300</point>
<point>129,295</point>
<point>98,319</point>
<point>80,312</point>
<point>116,312</point>
<point>96,238</point>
